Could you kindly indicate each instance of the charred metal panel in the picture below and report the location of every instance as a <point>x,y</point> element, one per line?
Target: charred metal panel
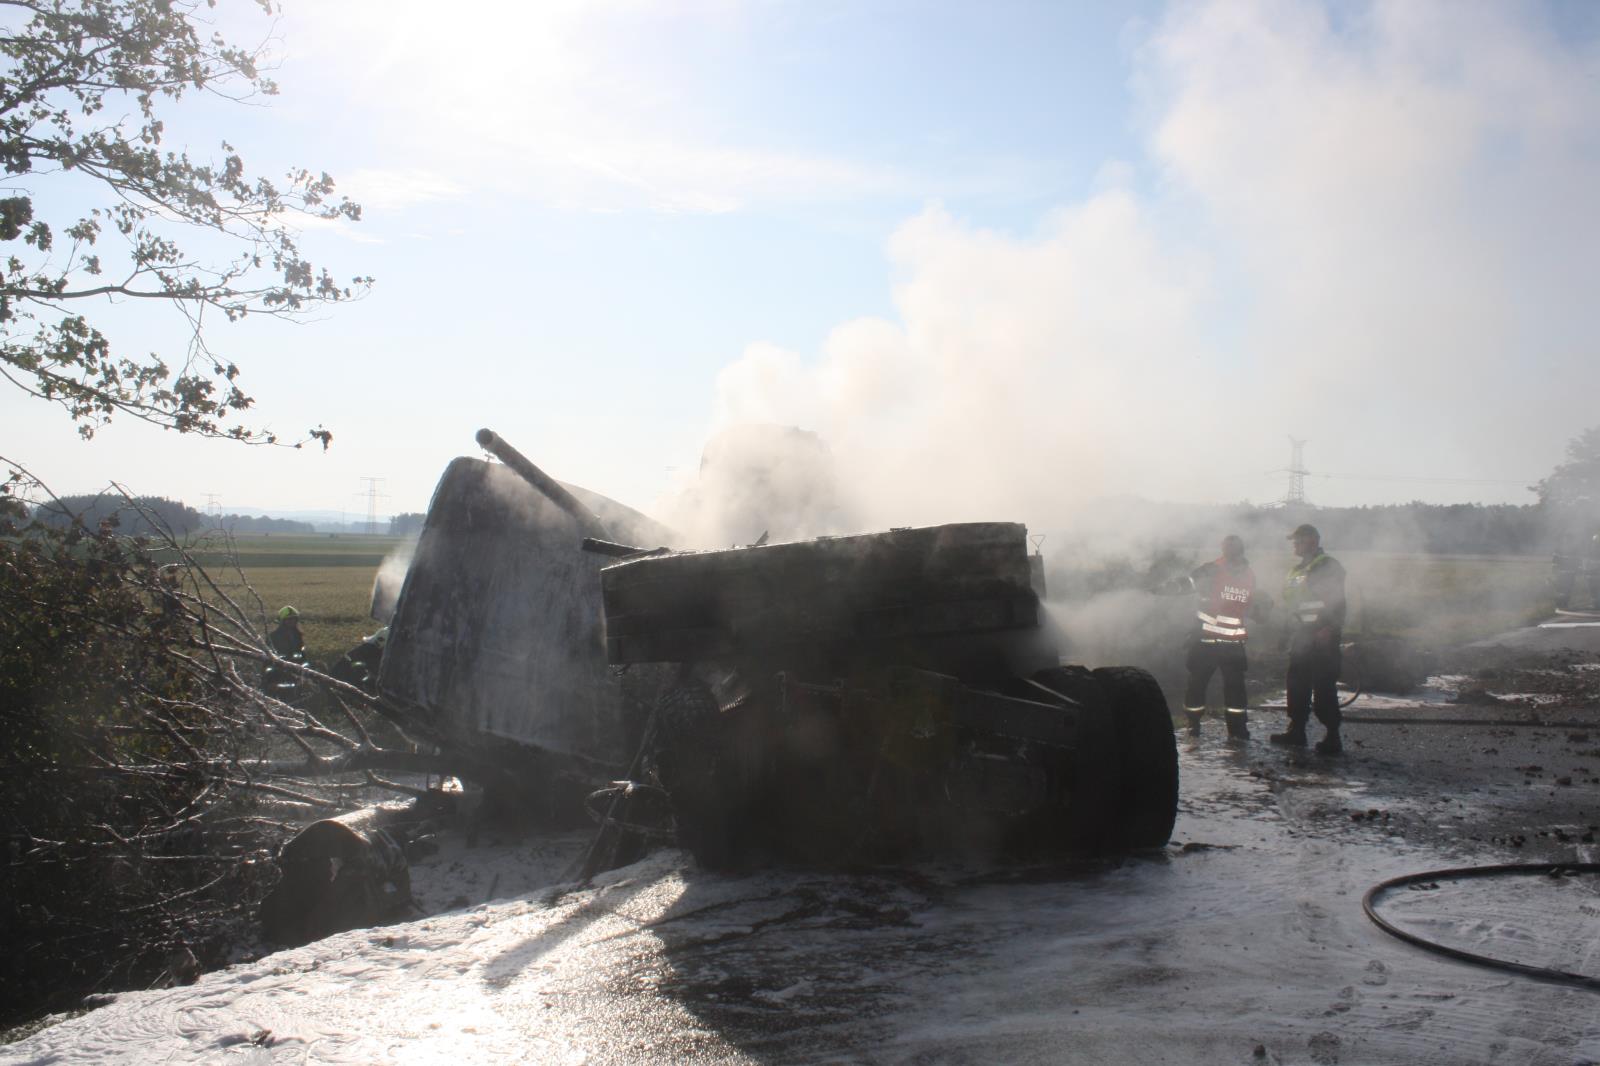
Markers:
<point>498,631</point>
<point>966,578</point>
<point>1027,720</point>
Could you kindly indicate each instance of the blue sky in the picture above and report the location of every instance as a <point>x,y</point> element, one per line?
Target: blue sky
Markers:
<point>1005,258</point>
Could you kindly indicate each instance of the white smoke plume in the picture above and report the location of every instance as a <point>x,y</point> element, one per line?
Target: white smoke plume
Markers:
<point>759,482</point>
<point>1370,226</point>
<point>390,578</point>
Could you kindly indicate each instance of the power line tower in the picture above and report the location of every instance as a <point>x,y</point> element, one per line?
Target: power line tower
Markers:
<point>372,494</point>
<point>1296,496</point>
<point>213,506</point>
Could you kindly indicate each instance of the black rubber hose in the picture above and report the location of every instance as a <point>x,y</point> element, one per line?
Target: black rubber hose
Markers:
<point>1498,723</point>
<point>1543,973</point>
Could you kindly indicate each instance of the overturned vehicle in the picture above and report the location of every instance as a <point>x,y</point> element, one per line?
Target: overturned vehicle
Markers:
<point>835,700</point>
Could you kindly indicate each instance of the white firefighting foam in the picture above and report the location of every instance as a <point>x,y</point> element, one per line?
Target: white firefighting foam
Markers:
<point>1245,934</point>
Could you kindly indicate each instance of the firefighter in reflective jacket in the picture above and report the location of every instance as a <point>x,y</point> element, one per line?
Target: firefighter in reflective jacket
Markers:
<point>1313,597</point>
<point>1227,590</point>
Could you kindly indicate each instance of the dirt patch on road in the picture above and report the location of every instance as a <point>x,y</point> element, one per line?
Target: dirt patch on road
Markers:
<point>1496,760</point>
<point>1511,677</point>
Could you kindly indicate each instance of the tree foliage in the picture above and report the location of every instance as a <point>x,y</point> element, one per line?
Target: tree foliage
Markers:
<point>147,517</point>
<point>243,523</point>
<point>102,792</point>
<point>152,515</point>
<point>82,93</point>
<point>408,524</point>
<point>147,774</point>
<point>1572,491</point>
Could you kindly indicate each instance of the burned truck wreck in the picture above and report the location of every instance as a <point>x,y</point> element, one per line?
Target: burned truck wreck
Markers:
<point>849,699</point>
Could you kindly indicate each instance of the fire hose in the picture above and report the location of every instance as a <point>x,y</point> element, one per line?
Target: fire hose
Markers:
<point>1430,877</point>
<point>1352,698</point>
<point>1516,723</point>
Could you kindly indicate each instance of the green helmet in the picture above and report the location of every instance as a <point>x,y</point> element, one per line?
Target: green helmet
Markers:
<point>287,613</point>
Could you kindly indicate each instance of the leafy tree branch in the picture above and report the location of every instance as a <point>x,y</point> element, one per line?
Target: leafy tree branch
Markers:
<point>83,84</point>
<point>1573,487</point>
<point>149,774</point>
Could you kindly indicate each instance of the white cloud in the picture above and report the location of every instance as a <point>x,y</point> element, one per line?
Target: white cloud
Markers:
<point>338,227</point>
<point>396,190</point>
<point>380,192</point>
<point>609,168</point>
<point>567,103</point>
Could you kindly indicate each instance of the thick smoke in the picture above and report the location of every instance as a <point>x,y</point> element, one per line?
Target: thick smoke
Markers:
<point>759,483</point>
<point>391,576</point>
<point>996,386</point>
<point>1357,230</point>
<point>1345,229</point>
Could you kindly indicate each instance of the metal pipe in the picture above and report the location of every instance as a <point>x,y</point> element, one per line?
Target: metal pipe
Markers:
<point>616,551</point>
<point>588,522</point>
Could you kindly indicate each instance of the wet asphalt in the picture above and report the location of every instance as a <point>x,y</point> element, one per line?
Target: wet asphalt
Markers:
<point>1242,941</point>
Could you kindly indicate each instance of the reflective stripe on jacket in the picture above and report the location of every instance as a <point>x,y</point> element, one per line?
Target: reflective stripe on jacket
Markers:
<point>1227,591</point>
<point>1313,592</point>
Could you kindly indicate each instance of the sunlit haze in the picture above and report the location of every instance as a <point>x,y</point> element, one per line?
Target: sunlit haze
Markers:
<point>1003,259</point>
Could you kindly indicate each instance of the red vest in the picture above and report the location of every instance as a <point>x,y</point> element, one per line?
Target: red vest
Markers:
<point>1227,602</point>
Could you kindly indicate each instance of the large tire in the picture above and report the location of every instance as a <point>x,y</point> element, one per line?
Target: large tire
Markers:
<point>1147,754</point>
<point>711,765</point>
<point>1094,787</point>
<point>685,760</point>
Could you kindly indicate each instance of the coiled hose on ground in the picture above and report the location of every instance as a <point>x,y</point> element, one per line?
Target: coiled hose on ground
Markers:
<point>1543,973</point>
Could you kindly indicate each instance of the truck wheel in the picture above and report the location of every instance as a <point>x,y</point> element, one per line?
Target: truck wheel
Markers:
<point>1094,792</point>
<point>1147,753</point>
<point>704,760</point>
<point>684,760</point>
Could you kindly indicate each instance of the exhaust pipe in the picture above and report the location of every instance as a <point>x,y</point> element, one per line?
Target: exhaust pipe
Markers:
<point>588,522</point>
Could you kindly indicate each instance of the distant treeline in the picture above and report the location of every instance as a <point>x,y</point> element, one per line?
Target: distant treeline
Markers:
<point>1452,529</point>
<point>406,525</point>
<point>239,523</point>
<point>1444,529</point>
<point>145,515</point>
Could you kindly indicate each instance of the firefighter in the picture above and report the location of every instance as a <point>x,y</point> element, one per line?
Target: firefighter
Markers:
<point>1591,572</point>
<point>285,637</point>
<point>1313,598</point>
<point>359,666</point>
<point>1227,590</point>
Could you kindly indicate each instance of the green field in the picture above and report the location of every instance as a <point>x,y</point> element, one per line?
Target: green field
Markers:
<point>328,579</point>
<point>258,550</point>
<point>1435,600</point>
